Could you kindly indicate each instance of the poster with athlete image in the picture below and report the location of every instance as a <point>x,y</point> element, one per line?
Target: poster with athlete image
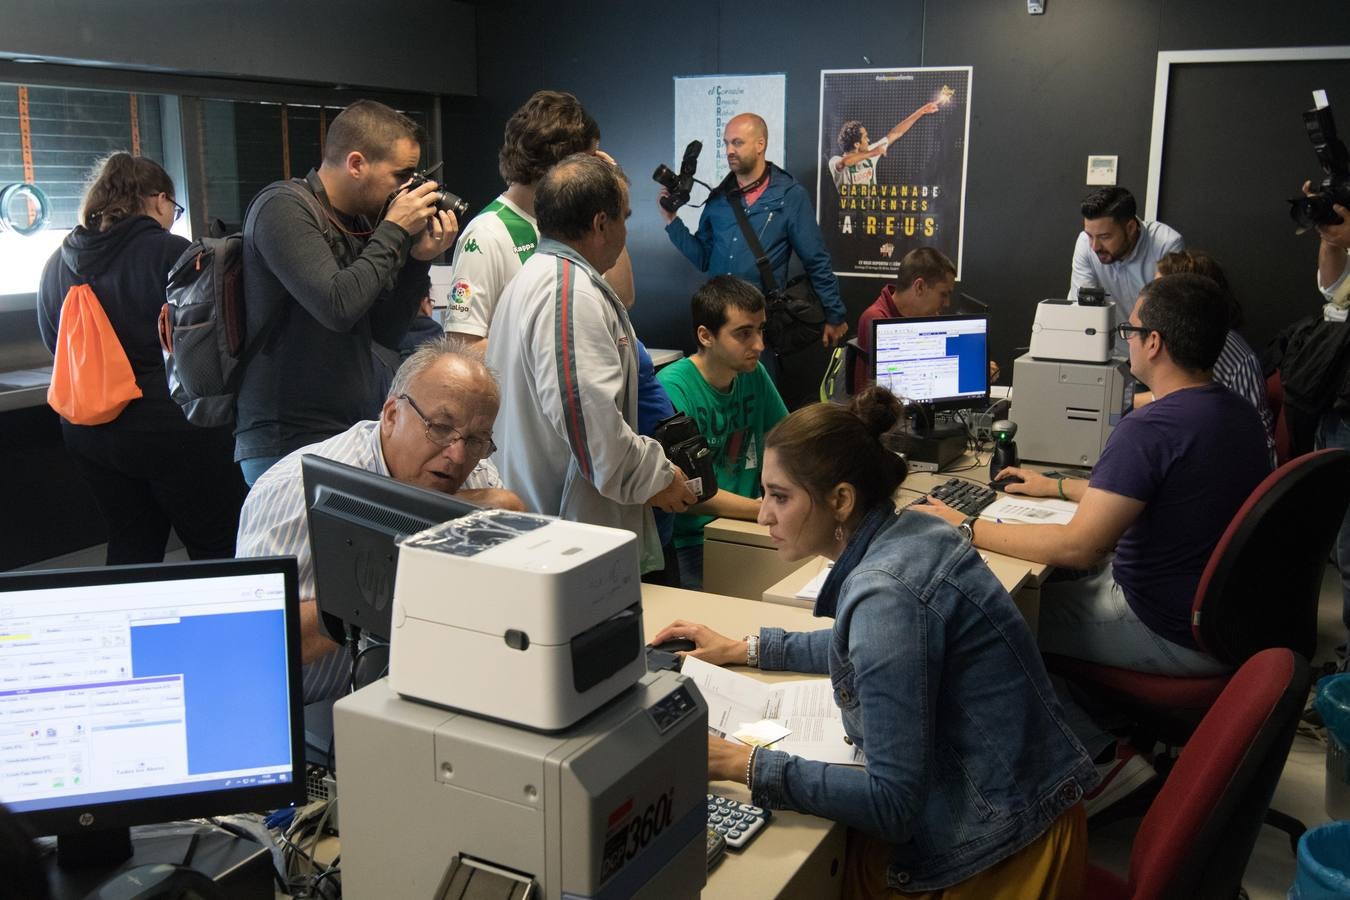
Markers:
<point>893,146</point>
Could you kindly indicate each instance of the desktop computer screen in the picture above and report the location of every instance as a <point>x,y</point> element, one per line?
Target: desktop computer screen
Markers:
<point>938,361</point>
<point>355,520</point>
<point>139,694</point>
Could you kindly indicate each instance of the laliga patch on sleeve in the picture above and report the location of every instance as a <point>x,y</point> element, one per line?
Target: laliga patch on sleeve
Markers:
<point>461,295</point>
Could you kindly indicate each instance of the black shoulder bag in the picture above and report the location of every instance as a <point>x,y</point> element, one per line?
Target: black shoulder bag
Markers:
<point>794,317</point>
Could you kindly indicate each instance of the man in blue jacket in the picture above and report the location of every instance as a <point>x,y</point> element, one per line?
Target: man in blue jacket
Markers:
<point>779,211</point>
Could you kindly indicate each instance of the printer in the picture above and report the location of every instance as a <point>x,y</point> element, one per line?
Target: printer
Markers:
<point>439,804</point>
<point>527,619</point>
<point>1069,392</point>
<point>1073,331</point>
<point>519,748</point>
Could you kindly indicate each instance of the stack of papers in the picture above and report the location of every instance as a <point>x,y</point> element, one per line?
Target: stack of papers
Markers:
<point>1030,510</point>
<point>738,703</point>
<point>811,590</point>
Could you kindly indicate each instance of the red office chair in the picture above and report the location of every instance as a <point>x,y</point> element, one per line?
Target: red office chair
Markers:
<point>1259,590</point>
<point>1199,832</point>
<point>1275,400</point>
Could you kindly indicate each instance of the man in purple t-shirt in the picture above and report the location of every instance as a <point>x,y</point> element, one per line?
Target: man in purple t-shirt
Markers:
<point>1169,481</point>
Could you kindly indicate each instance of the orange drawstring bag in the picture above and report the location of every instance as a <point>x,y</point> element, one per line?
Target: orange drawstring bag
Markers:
<point>92,381</point>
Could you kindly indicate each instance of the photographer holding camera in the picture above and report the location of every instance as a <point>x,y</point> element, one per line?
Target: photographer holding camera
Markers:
<point>325,276</point>
<point>780,214</point>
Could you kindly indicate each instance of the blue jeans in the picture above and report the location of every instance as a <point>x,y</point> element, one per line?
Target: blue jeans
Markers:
<point>254,468</point>
<point>1333,430</point>
<point>1088,618</point>
<point>691,567</point>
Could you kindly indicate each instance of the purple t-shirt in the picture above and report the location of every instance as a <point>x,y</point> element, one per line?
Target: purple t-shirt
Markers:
<point>1193,457</point>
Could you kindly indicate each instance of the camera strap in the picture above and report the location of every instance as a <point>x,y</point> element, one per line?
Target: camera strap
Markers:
<point>737,204</point>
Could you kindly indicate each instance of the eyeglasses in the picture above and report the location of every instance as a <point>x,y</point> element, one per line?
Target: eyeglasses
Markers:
<point>443,435</point>
<point>1125,329</point>
<point>177,209</point>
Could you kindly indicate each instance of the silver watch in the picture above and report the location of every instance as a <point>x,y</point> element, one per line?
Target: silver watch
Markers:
<point>967,528</point>
<point>752,650</point>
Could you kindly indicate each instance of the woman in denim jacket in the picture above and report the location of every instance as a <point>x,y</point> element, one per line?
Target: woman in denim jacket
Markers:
<point>972,783</point>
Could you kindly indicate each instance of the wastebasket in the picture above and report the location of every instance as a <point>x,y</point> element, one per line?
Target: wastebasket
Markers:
<point>1323,863</point>
<point>1333,704</point>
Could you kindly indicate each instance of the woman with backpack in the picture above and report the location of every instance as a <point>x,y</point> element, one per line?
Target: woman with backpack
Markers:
<point>147,466</point>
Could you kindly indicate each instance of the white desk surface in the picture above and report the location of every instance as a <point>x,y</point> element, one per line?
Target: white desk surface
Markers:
<point>781,854</point>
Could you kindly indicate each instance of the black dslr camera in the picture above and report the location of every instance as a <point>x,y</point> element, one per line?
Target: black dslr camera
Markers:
<point>679,185</point>
<point>686,447</point>
<point>445,201</point>
<point>1309,212</point>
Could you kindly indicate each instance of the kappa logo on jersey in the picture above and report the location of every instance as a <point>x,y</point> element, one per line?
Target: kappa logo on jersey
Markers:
<point>525,248</point>
<point>461,292</point>
<point>471,245</point>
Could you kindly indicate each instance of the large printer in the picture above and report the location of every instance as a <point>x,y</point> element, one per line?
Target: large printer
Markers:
<point>519,747</point>
<point>1068,390</point>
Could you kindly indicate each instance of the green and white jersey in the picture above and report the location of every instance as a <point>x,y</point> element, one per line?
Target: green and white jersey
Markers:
<point>864,172</point>
<point>489,253</point>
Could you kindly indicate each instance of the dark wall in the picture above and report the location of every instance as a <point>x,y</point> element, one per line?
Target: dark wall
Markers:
<point>1048,91</point>
<point>621,58</point>
<point>1052,89</point>
<point>399,46</point>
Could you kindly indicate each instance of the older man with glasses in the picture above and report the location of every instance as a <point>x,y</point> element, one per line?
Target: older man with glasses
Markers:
<point>1170,479</point>
<point>434,431</point>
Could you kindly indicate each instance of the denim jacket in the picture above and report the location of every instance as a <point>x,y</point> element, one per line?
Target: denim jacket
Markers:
<point>784,222</point>
<point>941,686</point>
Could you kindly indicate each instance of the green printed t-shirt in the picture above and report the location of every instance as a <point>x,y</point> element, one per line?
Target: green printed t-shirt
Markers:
<point>734,424</point>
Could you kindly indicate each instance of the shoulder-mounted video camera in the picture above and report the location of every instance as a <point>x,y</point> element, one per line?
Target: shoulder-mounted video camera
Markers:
<point>1309,212</point>
<point>687,448</point>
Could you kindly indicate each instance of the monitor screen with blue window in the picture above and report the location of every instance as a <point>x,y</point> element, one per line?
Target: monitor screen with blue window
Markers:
<point>139,694</point>
<point>938,361</point>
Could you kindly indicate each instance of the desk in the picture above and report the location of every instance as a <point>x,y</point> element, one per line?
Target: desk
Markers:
<point>664,357</point>
<point>797,855</point>
<point>739,559</point>
<point>1014,574</point>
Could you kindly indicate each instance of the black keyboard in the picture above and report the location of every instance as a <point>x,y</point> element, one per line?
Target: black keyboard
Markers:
<point>964,496</point>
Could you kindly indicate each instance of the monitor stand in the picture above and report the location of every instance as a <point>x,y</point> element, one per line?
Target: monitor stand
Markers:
<point>928,449</point>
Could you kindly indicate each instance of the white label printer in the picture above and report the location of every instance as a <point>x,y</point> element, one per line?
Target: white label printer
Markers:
<point>519,748</point>
<point>1068,391</point>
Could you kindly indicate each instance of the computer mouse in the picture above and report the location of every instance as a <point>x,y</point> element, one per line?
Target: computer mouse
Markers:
<point>675,645</point>
<point>1002,483</point>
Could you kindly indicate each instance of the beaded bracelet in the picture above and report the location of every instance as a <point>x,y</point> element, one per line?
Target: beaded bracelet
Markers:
<point>750,768</point>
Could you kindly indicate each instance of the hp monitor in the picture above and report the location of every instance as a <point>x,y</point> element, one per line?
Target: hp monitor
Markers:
<point>941,362</point>
<point>132,695</point>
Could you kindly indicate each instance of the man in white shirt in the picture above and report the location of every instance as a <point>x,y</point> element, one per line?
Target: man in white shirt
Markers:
<point>567,356</point>
<point>1116,251</point>
<point>434,431</point>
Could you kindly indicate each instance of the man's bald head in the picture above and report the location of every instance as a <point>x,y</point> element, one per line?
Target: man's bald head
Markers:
<point>744,140</point>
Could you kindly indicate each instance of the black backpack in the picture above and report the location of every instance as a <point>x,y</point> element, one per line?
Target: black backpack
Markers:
<point>202,326</point>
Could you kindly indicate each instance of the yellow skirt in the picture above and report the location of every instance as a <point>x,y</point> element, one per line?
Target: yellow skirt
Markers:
<point>1049,868</point>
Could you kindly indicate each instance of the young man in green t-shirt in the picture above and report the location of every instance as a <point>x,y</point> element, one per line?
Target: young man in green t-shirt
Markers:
<point>726,391</point>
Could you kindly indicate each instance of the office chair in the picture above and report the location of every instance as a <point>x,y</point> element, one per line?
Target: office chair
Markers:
<point>1259,590</point>
<point>1275,400</point>
<point>1199,832</point>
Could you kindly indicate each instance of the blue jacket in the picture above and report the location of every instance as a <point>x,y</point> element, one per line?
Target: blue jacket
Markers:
<point>941,686</point>
<point>784,222</point>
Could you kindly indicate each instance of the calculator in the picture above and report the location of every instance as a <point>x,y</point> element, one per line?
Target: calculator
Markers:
<point>737,822</point>
<point>717,847</point>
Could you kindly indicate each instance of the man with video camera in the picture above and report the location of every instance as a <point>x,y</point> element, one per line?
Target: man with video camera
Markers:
<point>779,212</point>
<point>326,275</point>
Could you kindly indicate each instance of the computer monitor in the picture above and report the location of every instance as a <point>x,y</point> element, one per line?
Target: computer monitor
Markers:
<point>131,695</point>
<point>355,520</point>
<point>941,362</point>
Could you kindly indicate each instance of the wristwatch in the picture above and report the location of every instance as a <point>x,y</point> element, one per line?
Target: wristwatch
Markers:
<point>967,528</point>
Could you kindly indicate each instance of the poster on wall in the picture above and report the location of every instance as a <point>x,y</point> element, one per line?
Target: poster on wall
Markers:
<point>893,146</point>
<point>703,106</point>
